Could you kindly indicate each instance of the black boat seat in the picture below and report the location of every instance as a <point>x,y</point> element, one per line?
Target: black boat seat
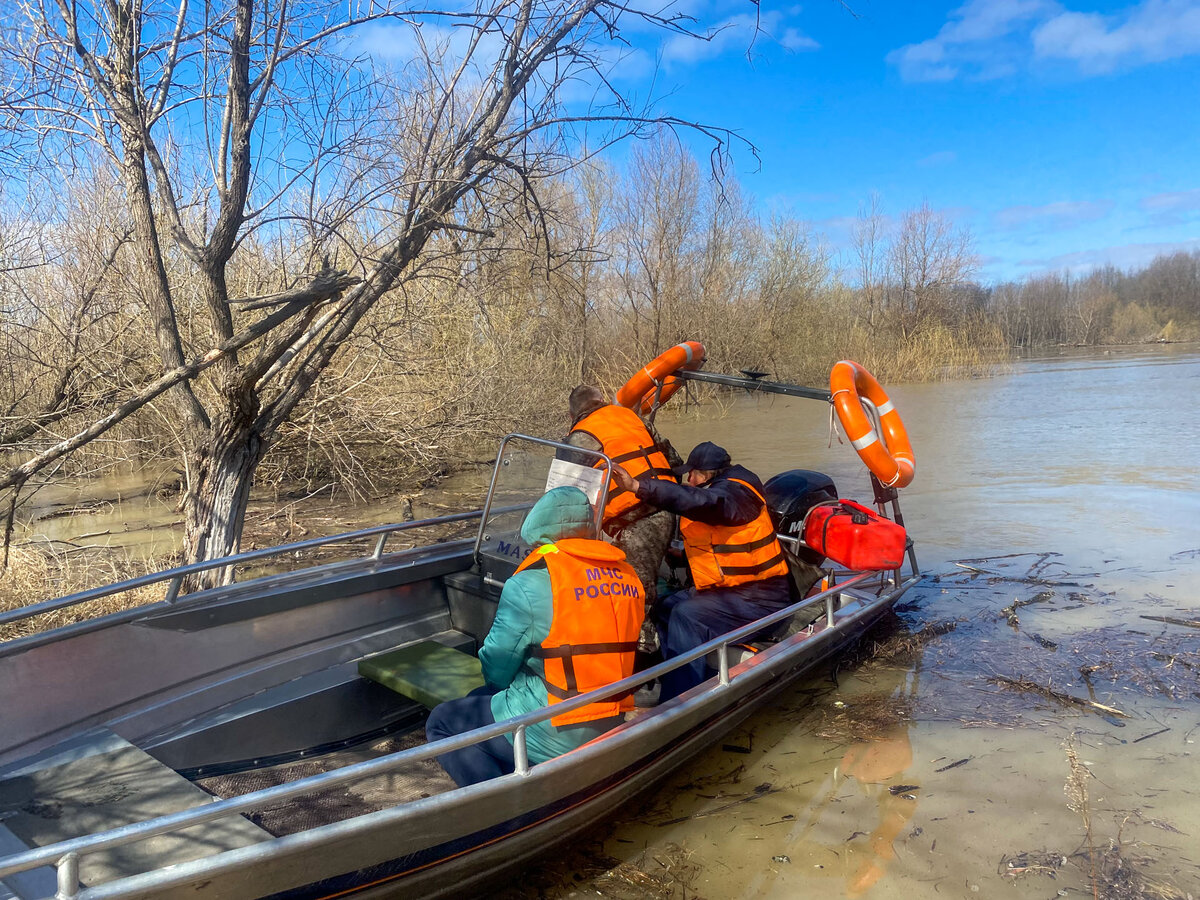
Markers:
<point>428,672</point>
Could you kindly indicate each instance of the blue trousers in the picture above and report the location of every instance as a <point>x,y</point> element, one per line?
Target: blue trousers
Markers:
<point>479,762</point>
<point>689,618</point>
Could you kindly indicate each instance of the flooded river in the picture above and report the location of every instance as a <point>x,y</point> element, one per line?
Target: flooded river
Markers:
<point>1028,727</point>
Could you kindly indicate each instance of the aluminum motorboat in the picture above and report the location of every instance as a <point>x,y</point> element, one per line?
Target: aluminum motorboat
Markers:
<point>227,743</point>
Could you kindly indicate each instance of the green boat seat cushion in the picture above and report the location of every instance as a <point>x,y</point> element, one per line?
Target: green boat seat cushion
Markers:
<point>428,672</point>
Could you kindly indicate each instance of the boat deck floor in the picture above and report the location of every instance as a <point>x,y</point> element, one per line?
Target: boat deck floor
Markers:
<point>412,782</point>
<point>105,783</point>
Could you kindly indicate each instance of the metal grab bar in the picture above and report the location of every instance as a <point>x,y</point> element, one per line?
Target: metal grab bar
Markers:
<point>127,834</point>
<point>176,575</point>
<point>754,384</point>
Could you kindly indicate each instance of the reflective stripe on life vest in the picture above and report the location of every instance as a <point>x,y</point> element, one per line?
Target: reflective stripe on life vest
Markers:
<point>729,555</point>
<point>628,443</point>
<point>599,604</point>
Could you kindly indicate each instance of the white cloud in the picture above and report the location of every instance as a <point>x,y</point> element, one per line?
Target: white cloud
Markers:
<point>1124,257</point>
<point>397,43</point>
<point>984,20</point>
<point>1172,208</point>
<point>1153,31</point>
<point>737,33</point>
<point>995,38</point>
<point>977,37</point>
<point>838,225</point>
<point>1064,214</point>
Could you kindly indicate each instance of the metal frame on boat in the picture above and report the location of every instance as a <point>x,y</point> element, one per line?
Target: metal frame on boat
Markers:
<point>176,679</point>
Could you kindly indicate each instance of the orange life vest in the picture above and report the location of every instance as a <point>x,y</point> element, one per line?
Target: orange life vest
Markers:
<point>628,443</point>
<point>599,604</point>
<point>729,555</point>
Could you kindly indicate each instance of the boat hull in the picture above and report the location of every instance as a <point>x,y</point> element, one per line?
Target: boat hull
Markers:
<point>460,843</point>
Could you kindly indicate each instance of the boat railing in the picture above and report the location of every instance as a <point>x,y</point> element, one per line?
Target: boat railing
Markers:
<point>175,576</point>
<point>65,855</point>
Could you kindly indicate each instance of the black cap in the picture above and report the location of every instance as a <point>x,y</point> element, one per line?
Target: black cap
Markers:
<point>707,457</point>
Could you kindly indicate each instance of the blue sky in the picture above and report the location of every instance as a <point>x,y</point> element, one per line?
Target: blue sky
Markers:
<point>1064,134</point>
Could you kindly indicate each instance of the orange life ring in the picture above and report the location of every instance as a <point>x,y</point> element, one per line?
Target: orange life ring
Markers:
<point>638,392</point>
<point>890,458</point>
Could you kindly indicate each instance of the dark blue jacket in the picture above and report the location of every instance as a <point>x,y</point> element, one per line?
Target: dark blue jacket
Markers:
<point>720,502</point>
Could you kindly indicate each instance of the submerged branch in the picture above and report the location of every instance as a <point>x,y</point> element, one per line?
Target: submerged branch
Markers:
<point>1171,620</point>
<point>1025,684</point>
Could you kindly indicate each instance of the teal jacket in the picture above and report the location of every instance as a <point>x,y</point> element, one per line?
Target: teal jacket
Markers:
<point>522,622</point>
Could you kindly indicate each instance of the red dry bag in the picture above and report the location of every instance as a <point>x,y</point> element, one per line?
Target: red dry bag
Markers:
<point>854,536</point>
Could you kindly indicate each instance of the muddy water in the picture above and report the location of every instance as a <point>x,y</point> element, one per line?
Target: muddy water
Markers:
<point>1055,507</point>
<point>131,513</point>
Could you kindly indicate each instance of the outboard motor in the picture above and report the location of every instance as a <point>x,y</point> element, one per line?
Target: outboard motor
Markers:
<point>790,495</point>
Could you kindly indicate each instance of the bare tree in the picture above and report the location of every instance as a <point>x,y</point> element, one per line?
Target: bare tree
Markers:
<point>657,234</point>
<point>792,271</point>
<point>929,260</point>
<point>255,117</point>
<point>594,208</point>
<point>870,250</point>
<point>62,329</point>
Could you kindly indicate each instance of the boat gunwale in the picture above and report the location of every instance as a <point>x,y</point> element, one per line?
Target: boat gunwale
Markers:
<point>57,853</point>
<point>177,573</point>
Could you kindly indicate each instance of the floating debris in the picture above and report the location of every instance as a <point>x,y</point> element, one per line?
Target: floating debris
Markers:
<point>954,765</point>
<point>1041,641</point>
<point>1025,684</point>
<point>904,645</point>
<point>872,717</point>
<point>1043,862</point>
<point>1171,620</point>
<point>761,790</point>
<point>1146,737</point>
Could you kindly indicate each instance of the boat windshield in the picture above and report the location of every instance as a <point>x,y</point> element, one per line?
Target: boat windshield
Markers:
<point>525,468</point>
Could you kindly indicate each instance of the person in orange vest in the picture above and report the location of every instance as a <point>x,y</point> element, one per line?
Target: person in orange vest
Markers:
<point>567,623</point>
<point>739,571</point>
<point>639,529</point>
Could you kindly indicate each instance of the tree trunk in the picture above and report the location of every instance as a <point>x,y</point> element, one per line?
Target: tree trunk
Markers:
<point>222,475</point>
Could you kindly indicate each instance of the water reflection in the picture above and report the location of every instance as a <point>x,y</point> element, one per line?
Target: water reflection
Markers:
<point>875,767</point>
<point>871,771</point>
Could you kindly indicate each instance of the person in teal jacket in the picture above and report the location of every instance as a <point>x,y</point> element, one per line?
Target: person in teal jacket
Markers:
<point>514,677</point>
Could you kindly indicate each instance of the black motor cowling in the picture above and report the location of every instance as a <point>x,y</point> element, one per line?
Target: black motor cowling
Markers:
<point>790,495</point>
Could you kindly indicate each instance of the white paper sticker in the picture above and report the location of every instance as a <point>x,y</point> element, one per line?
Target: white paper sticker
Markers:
<point>569,474</point>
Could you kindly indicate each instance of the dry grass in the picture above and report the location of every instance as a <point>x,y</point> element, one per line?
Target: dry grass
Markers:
<point>935,353</point>
<point>34,575</point>
<point>1108,869</point>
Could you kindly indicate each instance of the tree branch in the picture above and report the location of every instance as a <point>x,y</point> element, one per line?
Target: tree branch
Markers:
<point>23,472</point>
